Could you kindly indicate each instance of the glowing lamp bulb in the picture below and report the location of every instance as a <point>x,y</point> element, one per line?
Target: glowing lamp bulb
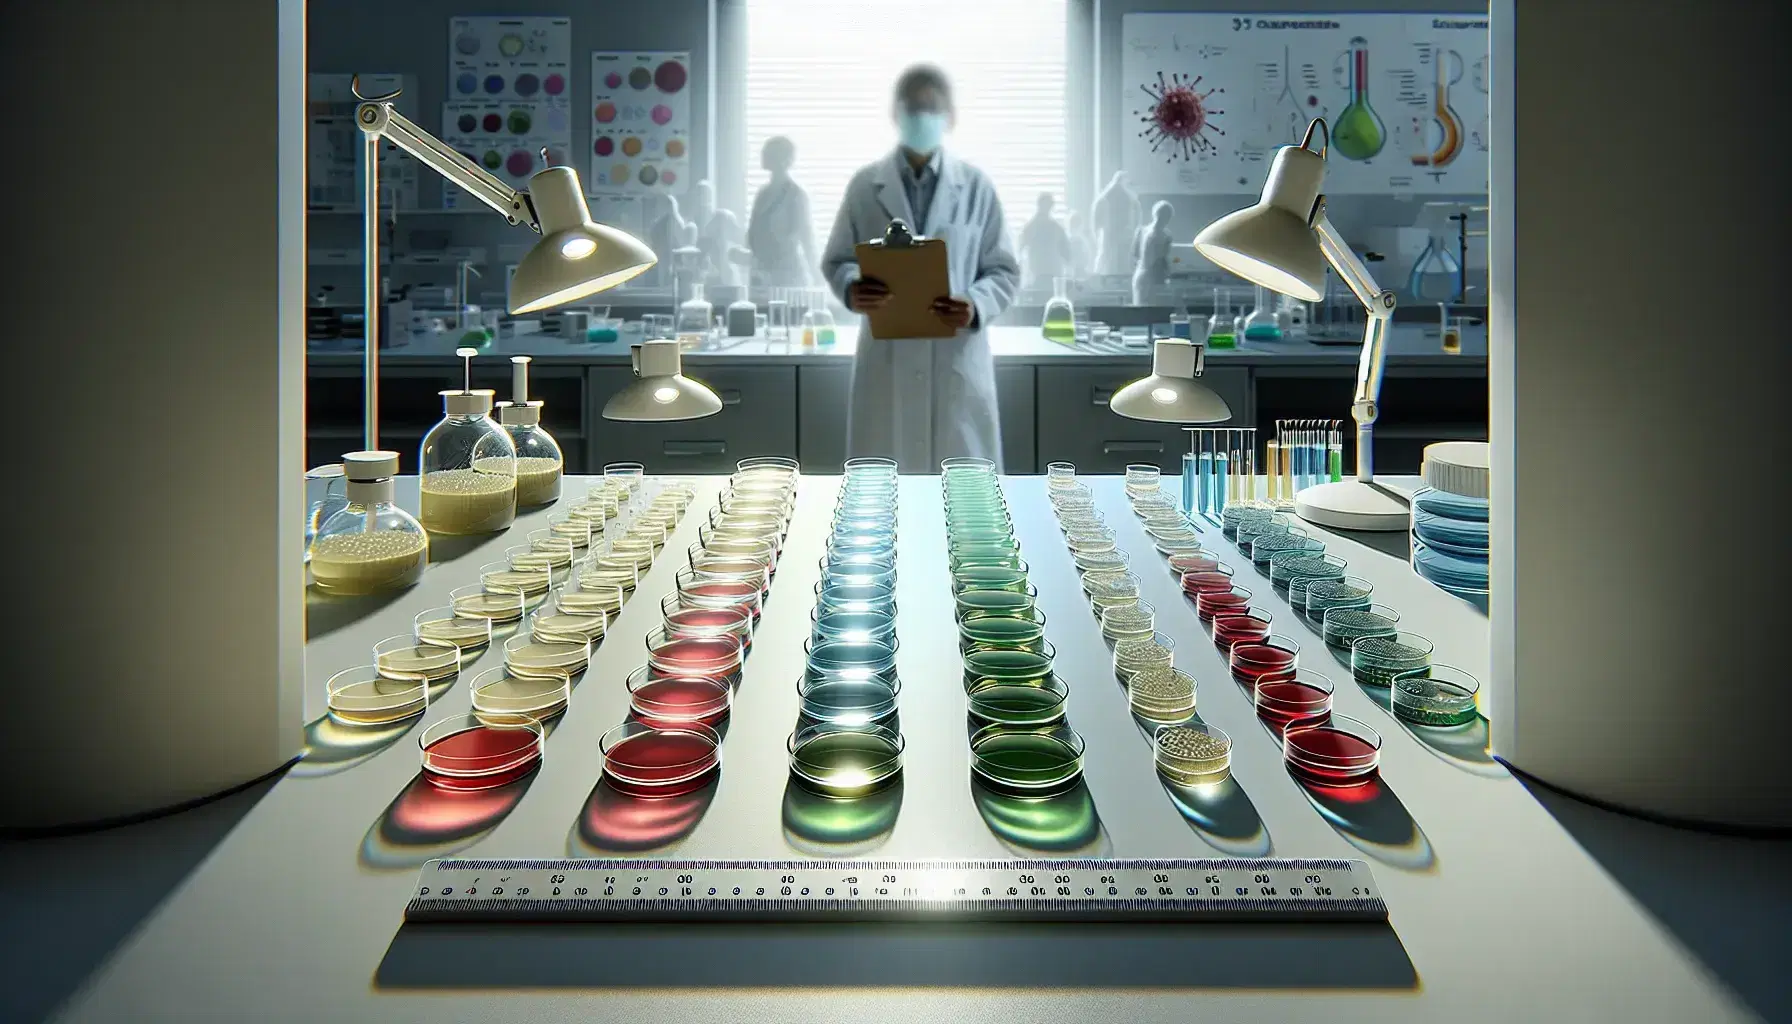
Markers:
<point>1163,396</point>
<point>577,248</point>
<point>665,394</point>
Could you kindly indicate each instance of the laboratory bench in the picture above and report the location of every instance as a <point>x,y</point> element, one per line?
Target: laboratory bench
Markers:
<point>1495,912</point>
<point>784,398</point>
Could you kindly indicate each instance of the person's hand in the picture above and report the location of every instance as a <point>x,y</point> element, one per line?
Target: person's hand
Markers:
<point>954,312</point>
<point>866,294</point>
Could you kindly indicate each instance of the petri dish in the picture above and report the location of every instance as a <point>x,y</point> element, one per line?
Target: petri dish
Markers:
<point>528,654</point>
<point>1060,474</point>
<point>1194,584</point>
<point>473,751</point>
<point>651,759</point>
<point>574,529</point>
<point>870,466</point>
<point>681,620</point>
<point>558,549</point>
<point>526,557</point>
<point>1343,627</point>
<point>845,762</point>
<point>1107,589</point>
<point>1141,653</point>
<point>443,626</point>
<point>403,657</point>
<point>1089,539</point>
<point>1173,546</point>
<point>1142,478</point>
<point>1346,592</point>
<point>850,659</point>
<point>989,577</point>
<point>672,700</point>
<point>1286,567</point>
<point>364,696</point>
<point>1128,621</point>
<point>1006,631</point>
<point>1029,703</point>
<point>1266,546</point>
<point>541,695</point>
<point>557,623</point>
<point>1237,513</point>
<point>1192,754</point>
<point>505,578</point>
<point>1008,665</point>
<point>1161,693</point>
<point>1379,660</point>
<point>1250,529</point>
<point>1101,561</point>
<point>1340,751</point>
<point>1436,695</point>
<point>753,550</point>
<point>1305,698</point>
<point>1027,762</point>
<point>705,566</point>
<point>974,604</point>
<point>857,573</point>
<point>1193,561</point>
<point>1246,626</point>
<point>713,657</point>
<point>1209,603</point>
<point>874,626</point>
<point>589,599</point>
<point>605,571</point>
<point>1156,502</point>
<point>848,700</point>
<point>694,592</point>
<point>961,556</point>
<point>476,602</point>
<point>855,597</point>
<point>1272,658</point>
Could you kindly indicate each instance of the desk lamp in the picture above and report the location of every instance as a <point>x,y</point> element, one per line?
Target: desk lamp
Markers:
<point>660,390</point>
<point>1172,394</point>
<point>1284,243</point>
<point>575,257</point>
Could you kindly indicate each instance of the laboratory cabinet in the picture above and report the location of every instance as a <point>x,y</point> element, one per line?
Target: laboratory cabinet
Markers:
<point>1076,425</point>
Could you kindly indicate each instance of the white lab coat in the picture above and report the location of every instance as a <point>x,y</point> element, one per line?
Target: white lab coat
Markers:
<point>919,401</point>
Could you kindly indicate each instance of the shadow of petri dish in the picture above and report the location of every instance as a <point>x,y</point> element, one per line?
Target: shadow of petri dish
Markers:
<point>327,613</point>
<point>1066,823</point>
<point>1372,819</point>
<point>332,746</point>
<point>823,826</point>
<point>1223,816</point>
<point>428,821</point>
<point>613,822</point>
<point>1467,747</point>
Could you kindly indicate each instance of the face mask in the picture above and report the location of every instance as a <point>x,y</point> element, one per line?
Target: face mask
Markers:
<point>921,132</point>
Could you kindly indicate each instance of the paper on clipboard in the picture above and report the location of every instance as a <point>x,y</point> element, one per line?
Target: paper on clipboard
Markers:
<point>915,270</point>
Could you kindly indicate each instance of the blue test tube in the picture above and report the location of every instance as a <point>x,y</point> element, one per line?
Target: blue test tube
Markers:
<point>1206,480</point>
<point>1189,484</point>
<point>1222,478</point>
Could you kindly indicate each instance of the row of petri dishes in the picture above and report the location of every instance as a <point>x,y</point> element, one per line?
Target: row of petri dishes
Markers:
<point>1021,743</point>
<point>847,742</point>
<point>552,601</point>
<point>680,699</point>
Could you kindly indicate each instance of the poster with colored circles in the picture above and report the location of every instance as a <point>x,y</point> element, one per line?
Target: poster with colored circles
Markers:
<point>507,139</point>
<point>641,121</point>
<point>509,96</point>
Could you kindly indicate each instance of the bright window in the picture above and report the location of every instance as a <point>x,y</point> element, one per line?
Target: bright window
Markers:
<point>821,72</point>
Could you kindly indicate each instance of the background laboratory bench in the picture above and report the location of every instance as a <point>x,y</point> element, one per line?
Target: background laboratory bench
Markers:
<point>781,398</point>
<point>1496,914</point>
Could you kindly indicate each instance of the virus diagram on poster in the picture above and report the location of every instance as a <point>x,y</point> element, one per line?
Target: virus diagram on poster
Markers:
<point>1176,119</point>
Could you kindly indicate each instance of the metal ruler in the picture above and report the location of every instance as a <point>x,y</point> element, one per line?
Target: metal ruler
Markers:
<point>844,890</point>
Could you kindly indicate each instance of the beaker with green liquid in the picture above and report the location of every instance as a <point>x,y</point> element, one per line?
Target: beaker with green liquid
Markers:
<point>1059,323</point>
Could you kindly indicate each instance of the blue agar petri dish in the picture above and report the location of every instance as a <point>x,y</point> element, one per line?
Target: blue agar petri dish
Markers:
<point>1324,594</point>
<point>1343,627</point>
<point>1290,565</point>
<point>874,626</point>
<point>855,597</point>
<point>1265,546</point>
<point>848,700</point>
<point>850,659</point>
<point>1379,660</point>
<point>1453,506</point>
<point>1462,533</point>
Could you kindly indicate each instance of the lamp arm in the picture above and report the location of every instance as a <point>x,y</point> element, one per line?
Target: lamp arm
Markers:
<point>379,120</point>
<point>1379,303</point>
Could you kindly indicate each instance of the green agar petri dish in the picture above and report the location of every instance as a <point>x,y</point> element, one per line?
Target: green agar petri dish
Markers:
<point>1004,631</point>
<point>999,702</point>
<point>984,554</point>
<point>974,604</point>
<point>844,762</point>
<point>1438,695</point>
<point>1323,595</point>
<point>1344,627</point>
<point>1266,546</point>
<point>1007,665</point>
<point>1379,660</point>
<point>1027,761</point>
<point>989,577</point>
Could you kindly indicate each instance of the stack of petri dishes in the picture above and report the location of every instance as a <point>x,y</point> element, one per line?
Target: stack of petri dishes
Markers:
<point>848,743</point>
<point>1022,746</point>
<point>1450,518</point>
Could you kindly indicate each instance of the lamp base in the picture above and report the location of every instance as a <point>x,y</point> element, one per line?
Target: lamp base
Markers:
<point>1352,505</point>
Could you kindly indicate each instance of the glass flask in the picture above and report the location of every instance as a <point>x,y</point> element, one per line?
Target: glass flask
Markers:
<point>324,497</point>
<point>468,469</point>
<point>1261,325</point>
<point>1059,323</point>
<point>1357,132</point>
<point>1436,275</point>
<point>695,318</point>
<point>1220,330</point>
<point>371,545</point>
<point>818,322</point>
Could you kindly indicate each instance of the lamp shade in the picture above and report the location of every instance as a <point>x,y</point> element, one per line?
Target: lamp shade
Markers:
<point>1273,243</point>
<point>1171,394</point>
<point>576,256</point>
<point>661,391</point>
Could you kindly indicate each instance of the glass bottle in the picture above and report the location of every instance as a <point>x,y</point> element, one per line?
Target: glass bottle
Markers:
<point>539,462</point>
<point>1059,322</point>
<point>371,545</point>
<point>1220,332</point>
<point>822,321</point>
<point>468,468</point>
<point>695,318</point>
<point>742,318</point>
<point>324,497</point>
<point>1358,133</point>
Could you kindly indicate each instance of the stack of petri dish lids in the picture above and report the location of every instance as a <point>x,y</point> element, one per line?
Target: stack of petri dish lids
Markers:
<point>1450,518</point>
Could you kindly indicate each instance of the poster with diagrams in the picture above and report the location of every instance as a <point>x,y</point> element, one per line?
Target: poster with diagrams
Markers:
<point>1206,99</point>
<point>641,122</point>
<point>333,163</point>
<point>509,97</point>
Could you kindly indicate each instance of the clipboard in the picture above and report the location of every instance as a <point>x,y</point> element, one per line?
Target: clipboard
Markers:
<point>915,270</point>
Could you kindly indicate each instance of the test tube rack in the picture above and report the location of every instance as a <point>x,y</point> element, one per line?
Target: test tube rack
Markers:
<point>1218,469</point>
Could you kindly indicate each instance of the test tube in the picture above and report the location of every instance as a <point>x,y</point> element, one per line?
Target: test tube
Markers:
<point>1335,449</point>
<point>1189,484</point>
<point>1287,467</point>
<point>1272,465</point>
<point>1222,481</point>
<point>1207,479</point>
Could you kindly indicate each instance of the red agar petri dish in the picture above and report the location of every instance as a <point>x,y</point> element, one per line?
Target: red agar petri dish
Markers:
<point>1209,603</point>
<point>674,700</point>
<point>713,657</point>
<point>1305,699</point>
<point>711,622</point>
<point>1337,752</point>
<point>646,759</point>
<point>1273,658</point>
<point>1248,626</point>
<point>698,593</point>
<point>1194,561</point>
<point>1194,584</point>
<point>471,752</point>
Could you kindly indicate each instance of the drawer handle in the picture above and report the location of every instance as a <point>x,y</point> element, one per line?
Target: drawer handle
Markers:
<point>730,396</point>
<point>1123,447</point>
<point>694,447</point>
<point>1101,397</point>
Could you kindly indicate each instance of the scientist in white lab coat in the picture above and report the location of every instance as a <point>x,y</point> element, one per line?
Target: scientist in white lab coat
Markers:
<point>921,401</point>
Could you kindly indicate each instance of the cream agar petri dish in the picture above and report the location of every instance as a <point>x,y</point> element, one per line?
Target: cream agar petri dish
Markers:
<point>1033,762</point>
<point>527,653</point>
<point>1090,539</point>
<point>1101,561</point>
<point>500,691</point>
<point>364,696</point>
<point>1060,474</point>
<point>476,602</point>
<point>1141,653</point>
<point>506,577</point>
<point>1025,703</point>
<point>845,762</point>
<point>1109,589</point>
<point>1170,546</point>
<point>526,558</point>
<point>558,549</point>
<point>1338,751</point>
<point>1142,478</point>
<point>1007,665</point>
<point>474,751</point>
<point>556,623</point>
<point>652,759</point>
<point>575,530</point>
<point>1440,695</point>
<point>1344,627</point>
<point>1128,621</point>
<point>1161,693</point>
<point>1193,754</point>
<point>672,700</point>
<point>445,626</point>
<point>404,657</point>
<point>585,597</point>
